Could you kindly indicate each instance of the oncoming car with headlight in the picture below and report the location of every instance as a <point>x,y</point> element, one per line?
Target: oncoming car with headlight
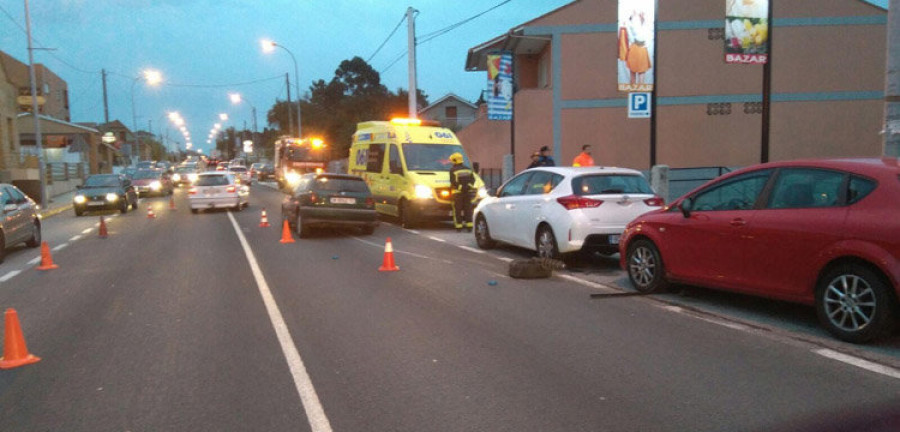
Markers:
<point>105,192</point>
<point>153,182</point>
<point>185,175</point>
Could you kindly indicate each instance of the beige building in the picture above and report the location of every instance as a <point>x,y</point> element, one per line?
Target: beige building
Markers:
<point>827,87</point>
<point>451,111</point>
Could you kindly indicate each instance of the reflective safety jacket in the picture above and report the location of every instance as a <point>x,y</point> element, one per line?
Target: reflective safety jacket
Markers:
<point>462,179</point>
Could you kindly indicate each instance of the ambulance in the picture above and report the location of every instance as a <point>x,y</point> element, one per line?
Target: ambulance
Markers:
<point>406,163</point>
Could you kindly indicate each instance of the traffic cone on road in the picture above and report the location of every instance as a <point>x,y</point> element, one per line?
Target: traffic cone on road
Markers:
<point>171,203</point>
<point>46,258</point>
<point>286,236</point>
<point>263,220</point>
<point>15,353</point>
<point>388,263</point>
<point>103,232</point>
<point>150,214</point>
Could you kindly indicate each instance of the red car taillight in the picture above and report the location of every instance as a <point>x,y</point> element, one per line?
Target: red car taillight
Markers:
<point>313,198</point>
<point>654,202</point>
<point>575,202</point>
<point>192,191</point>
<point>231,189</point>
<point>370,202</point>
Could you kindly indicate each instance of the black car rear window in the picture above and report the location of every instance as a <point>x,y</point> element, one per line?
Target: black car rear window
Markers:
<point>212,180</point>
<point>610,184</point>
<point>337,184</point>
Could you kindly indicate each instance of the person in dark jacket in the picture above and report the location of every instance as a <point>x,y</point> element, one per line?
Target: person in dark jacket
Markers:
<point>543,159</point>
<point>462,186</point>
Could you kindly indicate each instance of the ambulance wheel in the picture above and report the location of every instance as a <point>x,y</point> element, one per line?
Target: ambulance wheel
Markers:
<point>406,215</point>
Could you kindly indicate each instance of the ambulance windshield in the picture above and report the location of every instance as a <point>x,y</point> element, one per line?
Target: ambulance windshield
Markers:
<point>431,157</point>
<point>305,154</point>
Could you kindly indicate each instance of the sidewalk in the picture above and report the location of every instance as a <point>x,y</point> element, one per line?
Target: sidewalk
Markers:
<point>58,204</point>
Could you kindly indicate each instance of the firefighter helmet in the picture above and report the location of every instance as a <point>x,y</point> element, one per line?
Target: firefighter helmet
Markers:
<point>456,158</point>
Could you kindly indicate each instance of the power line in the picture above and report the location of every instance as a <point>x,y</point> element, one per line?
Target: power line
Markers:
<point>387,39</point>
<point>429,36</point>
<point>171,84</point>
<point>50,53</point>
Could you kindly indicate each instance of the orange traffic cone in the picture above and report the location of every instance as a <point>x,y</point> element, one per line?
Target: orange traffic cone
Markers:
<point>46,258</point>
<point>171,203</point>
<point>388,263</point>
<point>264,220</point>
<point>150,214</point>
<point>103,232</point>
<point>15,353</point>
<point>286,236</point>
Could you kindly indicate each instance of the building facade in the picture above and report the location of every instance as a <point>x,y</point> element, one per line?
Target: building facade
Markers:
<point>827,60</point>
<point>451,111</point>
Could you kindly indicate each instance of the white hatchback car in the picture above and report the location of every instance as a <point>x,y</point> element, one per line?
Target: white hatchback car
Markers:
<point>241,173</point>
<point>218,189</point>
<point>558,210</point>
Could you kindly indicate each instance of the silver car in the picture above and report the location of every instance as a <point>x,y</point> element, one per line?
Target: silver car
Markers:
<point>20,221</point>
<point>218,189</point>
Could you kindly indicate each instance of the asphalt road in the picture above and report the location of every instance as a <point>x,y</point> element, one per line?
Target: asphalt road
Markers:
<point>208,322</point>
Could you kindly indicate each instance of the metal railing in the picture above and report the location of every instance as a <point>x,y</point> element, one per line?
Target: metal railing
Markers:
<point>64,171</point>
<point>683,180</point>
<point>493,177</point>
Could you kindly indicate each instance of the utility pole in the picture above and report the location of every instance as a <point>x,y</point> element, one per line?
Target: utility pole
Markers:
<point>891,129</point>
<point>35,112</point>
<point>287,82</point>
<point>105,100</point>
<point>411,36</point>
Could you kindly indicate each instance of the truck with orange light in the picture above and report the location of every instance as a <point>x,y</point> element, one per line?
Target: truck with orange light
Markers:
<point>406,163</point>
<point>295,157</point>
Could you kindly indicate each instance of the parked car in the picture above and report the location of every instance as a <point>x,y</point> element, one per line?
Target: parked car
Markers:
<point>265,172</point>
<point>217,189</point>
<point>817,232</point>
<point>561,210</point>
<point>153,182</point>
<point>143,165</point>
<point>185,175</point>
<point>105,192</point>
<point>330,200</point>
<point>129,171</point>
<point>20,222</point>
<point>241,173</point>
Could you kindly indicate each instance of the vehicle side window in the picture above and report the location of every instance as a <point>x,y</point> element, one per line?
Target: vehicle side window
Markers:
<point>859,188</point>
<point>806,188</point>
<point>516,186</point>
<point>16,196</point>
<point>375,162</point>
<point>394,160</point>
<point>541,182</point>
<point>739,193</point>
<point>5,197</point>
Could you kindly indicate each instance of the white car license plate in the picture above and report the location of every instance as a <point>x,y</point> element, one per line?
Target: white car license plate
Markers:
<point>614,239</point>
<point>97,203</point>
<point>342,200</point>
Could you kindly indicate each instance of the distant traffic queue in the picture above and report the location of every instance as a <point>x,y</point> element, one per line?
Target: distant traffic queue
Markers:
<point>295,157</point>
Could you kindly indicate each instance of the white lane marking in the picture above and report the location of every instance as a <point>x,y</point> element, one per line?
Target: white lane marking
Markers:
<point>10,275</point>
<point>60,247</point>
<point>402,252</point>
<point>87,231</point>
<point>587,283</point>
<point>437,239</point>
<point>412,231</point>
<point>75,238</point>
<point>858,362</point>
<point>471,249</point>
<point>506,259</point>
<point>34,261</point>
<point>315,413</point>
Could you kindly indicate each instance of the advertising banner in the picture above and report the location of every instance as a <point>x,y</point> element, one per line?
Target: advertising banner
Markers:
<point>636,45</point>
<point>500,86</point>
<point>746,31</point>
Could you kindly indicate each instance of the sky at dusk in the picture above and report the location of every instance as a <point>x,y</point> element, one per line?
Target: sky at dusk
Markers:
<point>206,49</point>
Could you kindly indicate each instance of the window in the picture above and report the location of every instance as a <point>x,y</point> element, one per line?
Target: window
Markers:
<point>450,112</point>
<point>516,186</point>
<point>739,193</point>
<point>805,188</point>
<point>394,160</point>
<point>543,72</point>
<point>610,184</point>
<point>859,188</point>
<point>542,182</point>
<point>375,161</point>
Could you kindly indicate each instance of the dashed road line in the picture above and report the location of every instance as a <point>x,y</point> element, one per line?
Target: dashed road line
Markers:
<point>587,283</point>
<point>87,231</point>
<point>403,252</point>
<point>858,362</point>
<point>75,238</point>
<point>10,275</point>
<point>34,261</point>
<point>60,247</point>
<point>471,249</point>
<point>437,239</point>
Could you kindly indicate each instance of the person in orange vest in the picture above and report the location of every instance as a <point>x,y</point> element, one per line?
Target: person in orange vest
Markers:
<point>584,158</point>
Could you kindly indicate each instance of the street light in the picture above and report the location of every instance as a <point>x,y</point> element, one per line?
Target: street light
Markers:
<point>236,98</point>
<point>153,77</point>
<point>269,46</point>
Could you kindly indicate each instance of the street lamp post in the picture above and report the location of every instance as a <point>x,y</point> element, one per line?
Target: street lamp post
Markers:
<point>152,77</point>
<point>36,113</point>
<point>269,46</point>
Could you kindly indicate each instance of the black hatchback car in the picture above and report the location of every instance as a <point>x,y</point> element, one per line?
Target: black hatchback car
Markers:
<point>105,192</point>
<point>330,200</point>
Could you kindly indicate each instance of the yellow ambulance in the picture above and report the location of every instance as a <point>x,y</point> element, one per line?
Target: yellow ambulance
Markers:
<point>406,163</point>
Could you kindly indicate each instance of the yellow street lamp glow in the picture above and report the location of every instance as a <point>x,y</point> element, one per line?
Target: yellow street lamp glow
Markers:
<point>223,116</point>
<point>235,98</point>
<point>153,77</point>
<point>267,45</point>
<point>174,115</point>
<point>218,125</point>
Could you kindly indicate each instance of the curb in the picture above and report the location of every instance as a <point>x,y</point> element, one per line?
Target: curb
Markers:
<point>55,211</point>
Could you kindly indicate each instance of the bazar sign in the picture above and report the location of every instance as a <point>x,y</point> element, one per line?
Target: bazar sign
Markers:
<point>746,58</point>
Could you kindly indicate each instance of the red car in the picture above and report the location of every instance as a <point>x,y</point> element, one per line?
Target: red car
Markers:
<point>817,232</point>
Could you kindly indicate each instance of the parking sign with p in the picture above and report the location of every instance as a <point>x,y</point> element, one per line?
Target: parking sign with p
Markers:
<point>638,105</point>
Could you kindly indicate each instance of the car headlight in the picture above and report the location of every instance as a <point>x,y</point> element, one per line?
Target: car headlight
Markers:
<point>156,185</point>
<point>423,192</point>
<point>80,199</point>
<point>111,197</point>
<point>482,193</point>
<point>292,178</point>
<point>193,177</point>
<point>176,177</point>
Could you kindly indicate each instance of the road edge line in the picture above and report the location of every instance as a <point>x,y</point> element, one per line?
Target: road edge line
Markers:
<point>315,413</point>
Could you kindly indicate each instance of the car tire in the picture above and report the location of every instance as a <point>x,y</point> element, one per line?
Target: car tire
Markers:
<point>123,208</point>
<point>851,292</point>
<point>545,243</point>
<point>134,204</point>
<point>301,228</point>
<point>406,217</point>
<point>35,239</point>
<point>645,267</point>
<point>483,233</point>
<point>78,211</point>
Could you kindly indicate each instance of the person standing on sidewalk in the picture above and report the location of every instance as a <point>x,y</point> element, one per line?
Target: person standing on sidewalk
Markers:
<point>462,186</point>
<point>584,158</point>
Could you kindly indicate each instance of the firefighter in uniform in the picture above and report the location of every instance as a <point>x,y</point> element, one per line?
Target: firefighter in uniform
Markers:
<point>462,186</point>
